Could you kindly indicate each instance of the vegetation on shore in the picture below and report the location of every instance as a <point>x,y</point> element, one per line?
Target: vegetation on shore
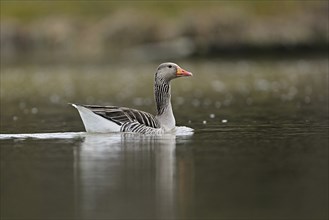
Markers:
<point>155,30</point>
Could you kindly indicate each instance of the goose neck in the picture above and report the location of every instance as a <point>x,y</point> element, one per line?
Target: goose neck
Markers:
<point>162,96</point>
<point>165,114</point>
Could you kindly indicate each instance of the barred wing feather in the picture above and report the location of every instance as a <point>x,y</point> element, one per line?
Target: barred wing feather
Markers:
<point>123,115</point>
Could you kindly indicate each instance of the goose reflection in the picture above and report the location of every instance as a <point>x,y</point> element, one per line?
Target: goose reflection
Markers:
<point>128,176</point>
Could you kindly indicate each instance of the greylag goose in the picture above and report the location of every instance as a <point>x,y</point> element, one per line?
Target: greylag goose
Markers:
<point>121,119</point>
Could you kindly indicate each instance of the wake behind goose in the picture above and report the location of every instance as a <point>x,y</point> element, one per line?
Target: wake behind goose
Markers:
<point>55,135</point>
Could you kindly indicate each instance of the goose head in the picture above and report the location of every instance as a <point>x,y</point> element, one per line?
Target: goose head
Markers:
<point>169,71</point>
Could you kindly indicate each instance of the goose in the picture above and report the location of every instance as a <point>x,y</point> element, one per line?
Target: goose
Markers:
<point>105,119</point>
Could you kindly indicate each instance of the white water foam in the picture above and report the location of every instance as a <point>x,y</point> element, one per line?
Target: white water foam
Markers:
<point>57,135</point>
<point>180,131</point>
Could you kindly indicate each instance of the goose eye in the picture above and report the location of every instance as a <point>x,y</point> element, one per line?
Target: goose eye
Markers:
<point>170,66</point>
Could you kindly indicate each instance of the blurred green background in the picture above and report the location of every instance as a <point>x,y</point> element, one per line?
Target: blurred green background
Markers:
<point>106,31</point>
<point>244,54</point>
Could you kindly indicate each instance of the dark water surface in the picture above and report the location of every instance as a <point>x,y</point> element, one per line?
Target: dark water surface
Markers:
<point>259,149</point>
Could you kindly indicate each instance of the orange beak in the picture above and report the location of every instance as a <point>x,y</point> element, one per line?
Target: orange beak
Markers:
<point>182,72</point>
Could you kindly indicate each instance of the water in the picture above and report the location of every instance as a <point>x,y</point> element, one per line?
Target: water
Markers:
<point>259,149</point>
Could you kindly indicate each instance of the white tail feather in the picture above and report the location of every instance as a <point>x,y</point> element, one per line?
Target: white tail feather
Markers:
<point>95,123</point>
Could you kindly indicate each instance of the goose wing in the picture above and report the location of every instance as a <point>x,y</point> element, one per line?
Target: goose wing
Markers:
<point>122,115</point>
